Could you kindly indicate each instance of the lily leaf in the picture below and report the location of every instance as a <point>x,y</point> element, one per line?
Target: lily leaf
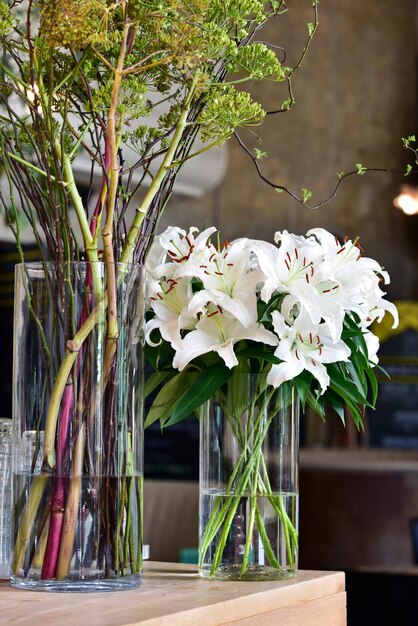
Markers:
<point>259,353</point>
<point>237,398</point>
<point>154,380</point>
<point>345,388</point>
<point>303,384</point>
<point>204,386</point>
<point>337,403</point>
<point>169,396</point>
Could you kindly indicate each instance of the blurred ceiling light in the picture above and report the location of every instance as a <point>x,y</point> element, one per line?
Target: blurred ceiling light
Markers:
<point>407,200</point>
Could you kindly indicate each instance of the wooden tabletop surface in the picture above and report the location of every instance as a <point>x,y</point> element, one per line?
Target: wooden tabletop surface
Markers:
<point>173,595</point>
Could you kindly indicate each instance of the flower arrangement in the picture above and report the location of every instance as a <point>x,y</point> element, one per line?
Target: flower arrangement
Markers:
<point>295,317</point>
<point>303,308</point>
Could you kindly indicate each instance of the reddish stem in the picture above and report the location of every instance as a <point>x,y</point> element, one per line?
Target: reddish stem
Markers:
<point>58,495</point>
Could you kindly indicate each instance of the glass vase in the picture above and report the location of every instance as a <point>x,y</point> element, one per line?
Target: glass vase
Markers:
<point>249,448</point>
<point>5,494</point>
<point>77,427</point>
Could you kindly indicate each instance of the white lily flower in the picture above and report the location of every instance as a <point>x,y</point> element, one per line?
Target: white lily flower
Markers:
<point>304,346</point>
<point>228,283</point>
<point>174,248</point>
<point>372,343</point>
<point>290,269</point>
<point>218,332</point>
<point>170,306</point>
<point>358,278</point>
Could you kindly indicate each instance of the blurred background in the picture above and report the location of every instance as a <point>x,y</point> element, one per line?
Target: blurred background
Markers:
<point>356,97</point>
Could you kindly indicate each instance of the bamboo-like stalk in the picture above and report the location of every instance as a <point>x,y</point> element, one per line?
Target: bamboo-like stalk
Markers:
<point>107,234</point>
<point>57,506</point>
<point>76,343</point>
<point>71,507</point>
<point>26,522</point>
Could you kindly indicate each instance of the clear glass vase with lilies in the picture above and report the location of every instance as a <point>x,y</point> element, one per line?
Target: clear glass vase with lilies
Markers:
<point>241,334</point>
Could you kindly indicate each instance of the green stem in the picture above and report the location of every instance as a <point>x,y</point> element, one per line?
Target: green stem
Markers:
<point>224,535</point>
<point>249,534</point>
<point>26,522</point>
<point>266,541</point>
<point>251,457</point>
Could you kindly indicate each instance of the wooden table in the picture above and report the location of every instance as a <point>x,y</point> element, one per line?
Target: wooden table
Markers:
<point>173,595</point>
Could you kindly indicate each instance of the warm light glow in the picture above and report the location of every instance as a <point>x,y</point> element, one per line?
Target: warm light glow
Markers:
<point>407,200</point>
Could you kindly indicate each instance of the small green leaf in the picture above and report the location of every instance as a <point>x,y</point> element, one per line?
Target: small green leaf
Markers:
<point>361,169</point>
<point>407,140</point>
<point>311,29</point>
<point>306,194</point>
<point>260,154</point>
<point>408,169</point>
<point>205,385</point>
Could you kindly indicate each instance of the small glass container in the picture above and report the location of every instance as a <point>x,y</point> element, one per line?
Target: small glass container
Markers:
<point>5,495</point>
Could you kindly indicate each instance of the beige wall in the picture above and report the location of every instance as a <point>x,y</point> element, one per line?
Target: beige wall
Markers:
<point>355,99</point>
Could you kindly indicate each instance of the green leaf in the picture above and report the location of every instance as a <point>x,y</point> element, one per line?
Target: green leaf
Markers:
<point>259,353</point>
<point>169,396</point>
<point>306,194</point>
<point>266,309</point>
<point>345,388</point>
<point>153,381</point>
<point>373,385</point>
<point>303,384</point>
<point>336,402</point>
<point>355,414</point>
<point>316,403</point>
<point>357,376</point>
<point>237,395</point>
<point>205,385</point>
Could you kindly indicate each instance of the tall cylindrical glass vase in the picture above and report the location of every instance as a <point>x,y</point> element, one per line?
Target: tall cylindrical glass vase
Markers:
<point>249,447</point>
<point>77,427</point>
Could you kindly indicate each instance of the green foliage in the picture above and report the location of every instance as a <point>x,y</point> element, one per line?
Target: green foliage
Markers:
<point>306,194</point>
<point>361,169</point>
<point>93,75</point>
<point>73,22</point>
<point>408,140</point>
<point>260,154</point>
<point>227,109</point>
<point>257,61</point>
<point>7,21</point>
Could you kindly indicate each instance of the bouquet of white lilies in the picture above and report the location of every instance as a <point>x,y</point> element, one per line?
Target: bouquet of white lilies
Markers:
<point>299,311</point>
